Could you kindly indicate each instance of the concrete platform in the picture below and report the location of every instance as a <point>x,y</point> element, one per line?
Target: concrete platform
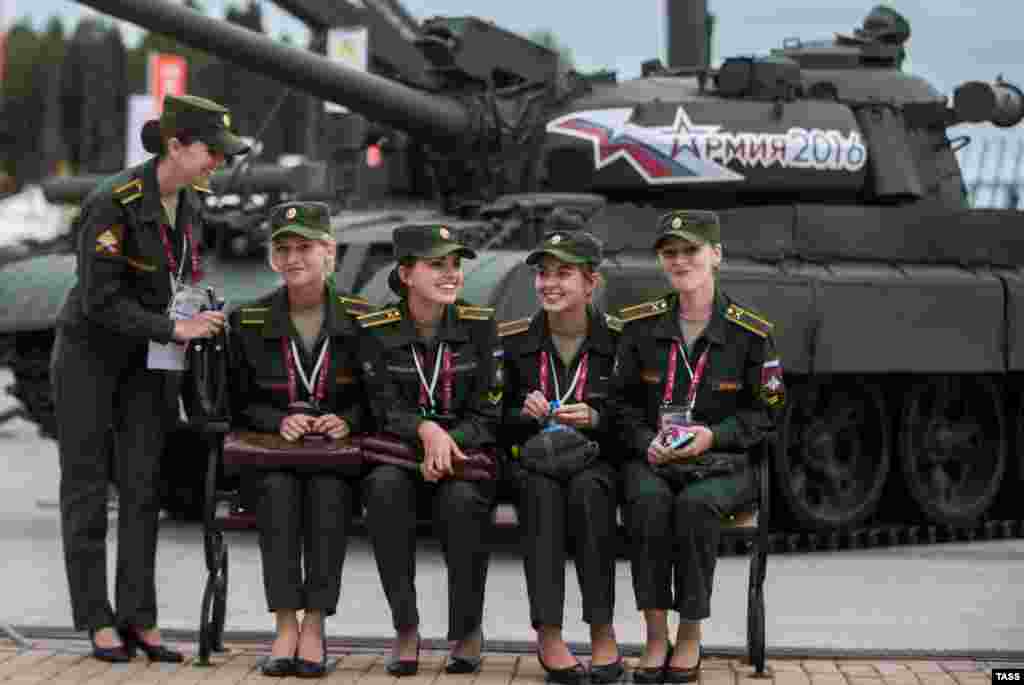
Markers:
<point>64,662</point>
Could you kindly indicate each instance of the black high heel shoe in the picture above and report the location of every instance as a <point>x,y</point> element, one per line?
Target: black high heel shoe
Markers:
<point>570,675</point>
<point>132,639</point>
<point>608,673</point>
<point>649,676</point>
<point>399,668</point>
<point>278,667</point>
<point>461,665</point>
<point>114,655</point>
<point>313,669</point>
<point>684,675</point>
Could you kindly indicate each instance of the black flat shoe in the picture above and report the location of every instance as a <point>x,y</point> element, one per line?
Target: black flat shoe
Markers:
<point>114,655</point>
<point>608,673</point>
<point>570,675</point>
<point>651,676</point>
<point>460,665</point>
<point>133,639</point>
<point>280,667</point>
<point>399,668</point>
<point>684,675</point>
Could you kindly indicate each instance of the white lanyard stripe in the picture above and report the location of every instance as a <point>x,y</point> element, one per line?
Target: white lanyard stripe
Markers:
<point>306,381</point>
<point>175,282</point>
<point>437,372</point>
<point>575,380</point>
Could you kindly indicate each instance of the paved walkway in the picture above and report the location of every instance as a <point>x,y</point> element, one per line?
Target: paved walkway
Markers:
<point>63,662</point>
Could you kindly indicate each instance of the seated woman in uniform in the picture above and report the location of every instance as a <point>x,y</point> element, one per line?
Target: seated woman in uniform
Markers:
<point>430,373</point>
<point>557,366</point>
<point>294,374</point>
<point>695,386</point>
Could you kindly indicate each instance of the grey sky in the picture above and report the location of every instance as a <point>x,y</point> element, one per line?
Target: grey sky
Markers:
<point>951,41</point>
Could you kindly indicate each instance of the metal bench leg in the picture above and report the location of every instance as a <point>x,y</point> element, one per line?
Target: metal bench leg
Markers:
<point>758,572</point>
<point>212,611</point>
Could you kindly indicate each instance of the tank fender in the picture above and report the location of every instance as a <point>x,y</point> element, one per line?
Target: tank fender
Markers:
<point>32,291</point>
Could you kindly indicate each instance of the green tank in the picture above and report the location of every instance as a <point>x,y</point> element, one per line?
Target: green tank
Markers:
<point>842,202</point>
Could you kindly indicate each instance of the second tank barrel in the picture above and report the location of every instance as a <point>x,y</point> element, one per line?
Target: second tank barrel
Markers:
<point>375,97</point>
<point>1000,103</point>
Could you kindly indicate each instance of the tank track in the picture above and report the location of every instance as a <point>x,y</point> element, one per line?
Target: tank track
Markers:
<point>29,358</point>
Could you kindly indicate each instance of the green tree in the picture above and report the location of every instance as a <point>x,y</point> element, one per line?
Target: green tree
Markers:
<point>20,124</point>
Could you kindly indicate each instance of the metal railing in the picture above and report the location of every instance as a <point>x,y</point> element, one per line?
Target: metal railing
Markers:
<point>993,171</point>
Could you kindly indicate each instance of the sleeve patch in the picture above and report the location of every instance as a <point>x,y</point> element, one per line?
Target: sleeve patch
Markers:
<point>109,240</point>
<point>773,390</point>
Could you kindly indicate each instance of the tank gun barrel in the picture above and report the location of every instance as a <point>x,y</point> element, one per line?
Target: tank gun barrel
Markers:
<point>377,98</point>
<point>1001,103</point>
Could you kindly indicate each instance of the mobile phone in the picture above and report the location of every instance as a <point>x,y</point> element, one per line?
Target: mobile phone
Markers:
<point>677,439</point>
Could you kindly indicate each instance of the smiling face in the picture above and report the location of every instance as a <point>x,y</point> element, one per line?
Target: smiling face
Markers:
<point>562,286</point>
<point>195,161</point>
<point>689,266</point>
<point>300,261</point>
<point>437,280</point>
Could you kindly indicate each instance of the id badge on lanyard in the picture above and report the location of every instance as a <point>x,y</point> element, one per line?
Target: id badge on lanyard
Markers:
<point>186,301</point>
<point>671,414</point>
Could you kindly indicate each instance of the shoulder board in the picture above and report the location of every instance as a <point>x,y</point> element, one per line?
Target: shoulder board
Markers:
<point>380,318</point>
<point>614,323</point>
<point>128,192</point>
<point>513,327</point>
<point>202,188</point>
<point>643,310</point>
<point>354,305</point>
<point>749,320</point>
<point>252,316</point>
<point>468,311</point>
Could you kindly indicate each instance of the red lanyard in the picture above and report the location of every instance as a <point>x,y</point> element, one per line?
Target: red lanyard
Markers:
<point>445,371</point>
<point>695,375</point>
<point>321,382</point>
<point>197,273</point>
<point>579,381</point>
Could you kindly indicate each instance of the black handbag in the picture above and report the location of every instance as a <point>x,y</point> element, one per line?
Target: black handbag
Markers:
<point>559,453</point>
<point>707,465</point>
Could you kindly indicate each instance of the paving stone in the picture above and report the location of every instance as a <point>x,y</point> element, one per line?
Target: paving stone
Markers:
<point>820,666</point>
<point>836,678</point>
<point>960,666</point>
<point>887,667</point>
<point>925,666</point>
<point>858,669</point>
<point>790,677</point>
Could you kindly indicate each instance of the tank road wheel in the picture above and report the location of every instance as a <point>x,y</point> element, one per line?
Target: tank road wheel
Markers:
<point>834,454</point>
<point>953,447</point>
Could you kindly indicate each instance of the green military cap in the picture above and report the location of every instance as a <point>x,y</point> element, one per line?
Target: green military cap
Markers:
<point>307,219</point>
<point>205,119</point>
<point>692,225</point>
<point>424,241</point>
<point>428,241</point>
<point>572,247</point>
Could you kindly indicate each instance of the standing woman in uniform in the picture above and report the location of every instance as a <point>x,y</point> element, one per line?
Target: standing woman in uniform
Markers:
<point>557,369</point>
<point>138,245</point>
<point>692,363</point>
<point>431,374</point>
<point>295,372</point>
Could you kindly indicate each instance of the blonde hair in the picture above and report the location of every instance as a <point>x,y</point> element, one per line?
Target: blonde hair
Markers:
<point>330,260</point>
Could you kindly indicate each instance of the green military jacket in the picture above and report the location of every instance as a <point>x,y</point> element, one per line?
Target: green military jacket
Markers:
<point>523,341</point>
<point>123,284</point>
<point>741,387</point>
<point>259,375</point>
<point>393,381</point>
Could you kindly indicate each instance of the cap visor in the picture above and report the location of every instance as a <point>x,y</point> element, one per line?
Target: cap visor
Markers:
<point>227,142</point>
<point>560,255</point>
<point>681,235</point>
<point>299,230</point>
<point>446,249</point>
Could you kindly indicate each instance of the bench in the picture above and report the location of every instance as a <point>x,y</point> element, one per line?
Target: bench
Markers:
<point>211,422</point>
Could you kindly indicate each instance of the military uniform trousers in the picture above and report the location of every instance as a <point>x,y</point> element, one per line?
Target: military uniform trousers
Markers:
<point>552,513</point>
<point>462,519</point>
<point>674,535</point>
<point>100,382</point>
<point>304,522</point>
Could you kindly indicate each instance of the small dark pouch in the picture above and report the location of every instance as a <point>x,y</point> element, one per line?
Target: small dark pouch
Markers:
<point>559,454</point>
<point>382,448</point>
<point>707,465</point>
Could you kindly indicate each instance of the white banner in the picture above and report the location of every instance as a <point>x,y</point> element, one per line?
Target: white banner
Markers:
<point>349,46</point>
<point>141,108</point>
